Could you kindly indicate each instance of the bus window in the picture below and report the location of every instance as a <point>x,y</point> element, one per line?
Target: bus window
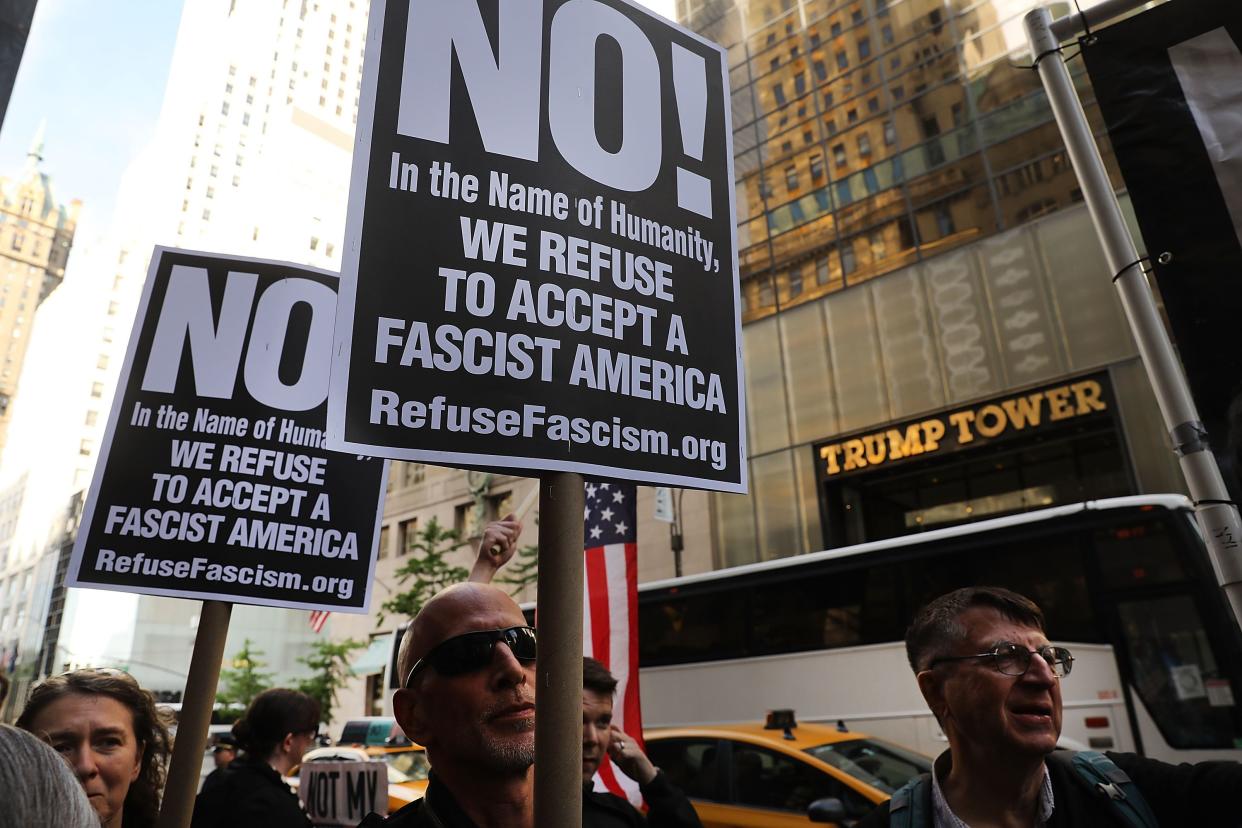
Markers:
<point>1137,554</point>
<point>814,613</point>
<point>1173,666</point>
<point>1047,568</point>
<point>682,628</point>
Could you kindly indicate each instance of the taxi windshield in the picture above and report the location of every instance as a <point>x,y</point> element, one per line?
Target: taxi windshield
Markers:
<point>412,765</point>
<point>882,766</point>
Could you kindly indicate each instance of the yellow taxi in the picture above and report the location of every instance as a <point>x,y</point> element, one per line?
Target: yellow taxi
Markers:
<point>779,774</point>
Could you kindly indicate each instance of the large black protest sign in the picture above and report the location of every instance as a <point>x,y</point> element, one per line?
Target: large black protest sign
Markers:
<point>214,480</point>
<point>541,263</point>
<point>1169,83</point>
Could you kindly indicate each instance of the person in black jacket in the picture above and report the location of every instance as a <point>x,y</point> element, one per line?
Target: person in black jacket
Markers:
<point>223,752</point>
<point>277,729</point>
<point>993,681</point>
<point>467,668</point>
<point>667,806</point>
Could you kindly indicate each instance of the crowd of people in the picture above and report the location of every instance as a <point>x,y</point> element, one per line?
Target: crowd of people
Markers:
<point>91,746</point>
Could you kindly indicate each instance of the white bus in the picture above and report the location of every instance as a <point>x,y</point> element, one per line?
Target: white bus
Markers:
<point>1125,583</point>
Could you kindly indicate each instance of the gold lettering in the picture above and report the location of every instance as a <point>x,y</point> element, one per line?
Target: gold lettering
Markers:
<point>962,420</point>
<point>876,446</point>
<point>1088,394</point>
<point>830,453</point>
<point>994,413</point>
<point>899,447</point>
<point>1058,403</point>
<point>1023,410</point>
<point>933,430</point>
<point>854,454</point>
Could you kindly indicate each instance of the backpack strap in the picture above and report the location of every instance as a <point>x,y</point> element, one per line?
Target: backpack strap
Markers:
<point>1102,776</point>
<point>910,806</point>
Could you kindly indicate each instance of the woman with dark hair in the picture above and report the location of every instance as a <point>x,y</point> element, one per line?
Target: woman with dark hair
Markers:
<point>277,729</point>
<point>114,738</point>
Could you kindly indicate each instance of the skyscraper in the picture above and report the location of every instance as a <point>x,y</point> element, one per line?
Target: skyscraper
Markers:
<point>36,234</point>
<point>911,247</point>
<point>250,156</point>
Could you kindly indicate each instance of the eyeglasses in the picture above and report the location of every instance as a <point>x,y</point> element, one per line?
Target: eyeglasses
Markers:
<point>473,651</point>
<point>1015,660</point>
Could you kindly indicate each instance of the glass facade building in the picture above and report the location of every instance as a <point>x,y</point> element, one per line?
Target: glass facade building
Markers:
<point>912,241</point>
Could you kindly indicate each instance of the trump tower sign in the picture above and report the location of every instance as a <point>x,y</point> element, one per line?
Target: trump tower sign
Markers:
<point>213,481</point>
<point>541,256</point>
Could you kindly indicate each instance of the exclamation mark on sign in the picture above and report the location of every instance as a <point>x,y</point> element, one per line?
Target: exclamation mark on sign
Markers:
<point>694,192</point>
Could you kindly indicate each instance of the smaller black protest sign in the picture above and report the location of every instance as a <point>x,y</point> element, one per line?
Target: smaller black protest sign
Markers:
<point>214,480</point>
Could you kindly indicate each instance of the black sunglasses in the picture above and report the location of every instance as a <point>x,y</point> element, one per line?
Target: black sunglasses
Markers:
<point>473,651</point>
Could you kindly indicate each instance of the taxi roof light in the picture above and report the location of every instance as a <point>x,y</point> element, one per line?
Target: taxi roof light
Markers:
<point>781,720</point>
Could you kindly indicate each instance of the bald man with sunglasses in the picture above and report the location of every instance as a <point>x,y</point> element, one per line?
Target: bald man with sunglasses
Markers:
<point>468,696</point>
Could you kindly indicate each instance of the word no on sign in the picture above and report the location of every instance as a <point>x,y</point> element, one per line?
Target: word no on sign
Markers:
<point>542,265</point>
<point>214,480</point>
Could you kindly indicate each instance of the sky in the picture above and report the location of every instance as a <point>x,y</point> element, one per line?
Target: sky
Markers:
<point>94,72</point>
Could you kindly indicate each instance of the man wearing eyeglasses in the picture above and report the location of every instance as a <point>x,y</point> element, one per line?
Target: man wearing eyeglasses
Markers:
<point>468,696</point>
<point>993,681</point>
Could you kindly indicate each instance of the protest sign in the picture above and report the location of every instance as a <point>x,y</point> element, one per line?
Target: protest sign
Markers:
<point>540,268</point>
<point>213,480</point>
<point>343,793</point>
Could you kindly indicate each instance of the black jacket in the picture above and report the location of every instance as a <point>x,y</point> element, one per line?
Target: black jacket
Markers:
<point>667,807</point>
<point>214,778</point>
<point>1203,795</point>
<point>437,809</point>
<point>250,794</point>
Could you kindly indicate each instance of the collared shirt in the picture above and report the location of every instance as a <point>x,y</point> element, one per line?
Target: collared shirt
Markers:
<point>943,816</point>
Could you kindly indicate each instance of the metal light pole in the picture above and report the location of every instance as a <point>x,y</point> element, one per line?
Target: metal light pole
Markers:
<point>1217,516</point>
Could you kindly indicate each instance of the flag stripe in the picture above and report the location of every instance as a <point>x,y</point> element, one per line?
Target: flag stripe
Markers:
<point>622,559</point>
<point>610,613</point>
<point>601,618</point>
<point>619,637</point>
<point>318,618</point>
<point>633,706</point>
<point>587,627</point>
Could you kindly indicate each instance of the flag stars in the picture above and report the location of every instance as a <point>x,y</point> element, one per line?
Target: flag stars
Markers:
<point>608,521</point>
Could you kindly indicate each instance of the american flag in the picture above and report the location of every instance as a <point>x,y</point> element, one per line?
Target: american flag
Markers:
<point>610,611</point>
<point>318,618</point>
